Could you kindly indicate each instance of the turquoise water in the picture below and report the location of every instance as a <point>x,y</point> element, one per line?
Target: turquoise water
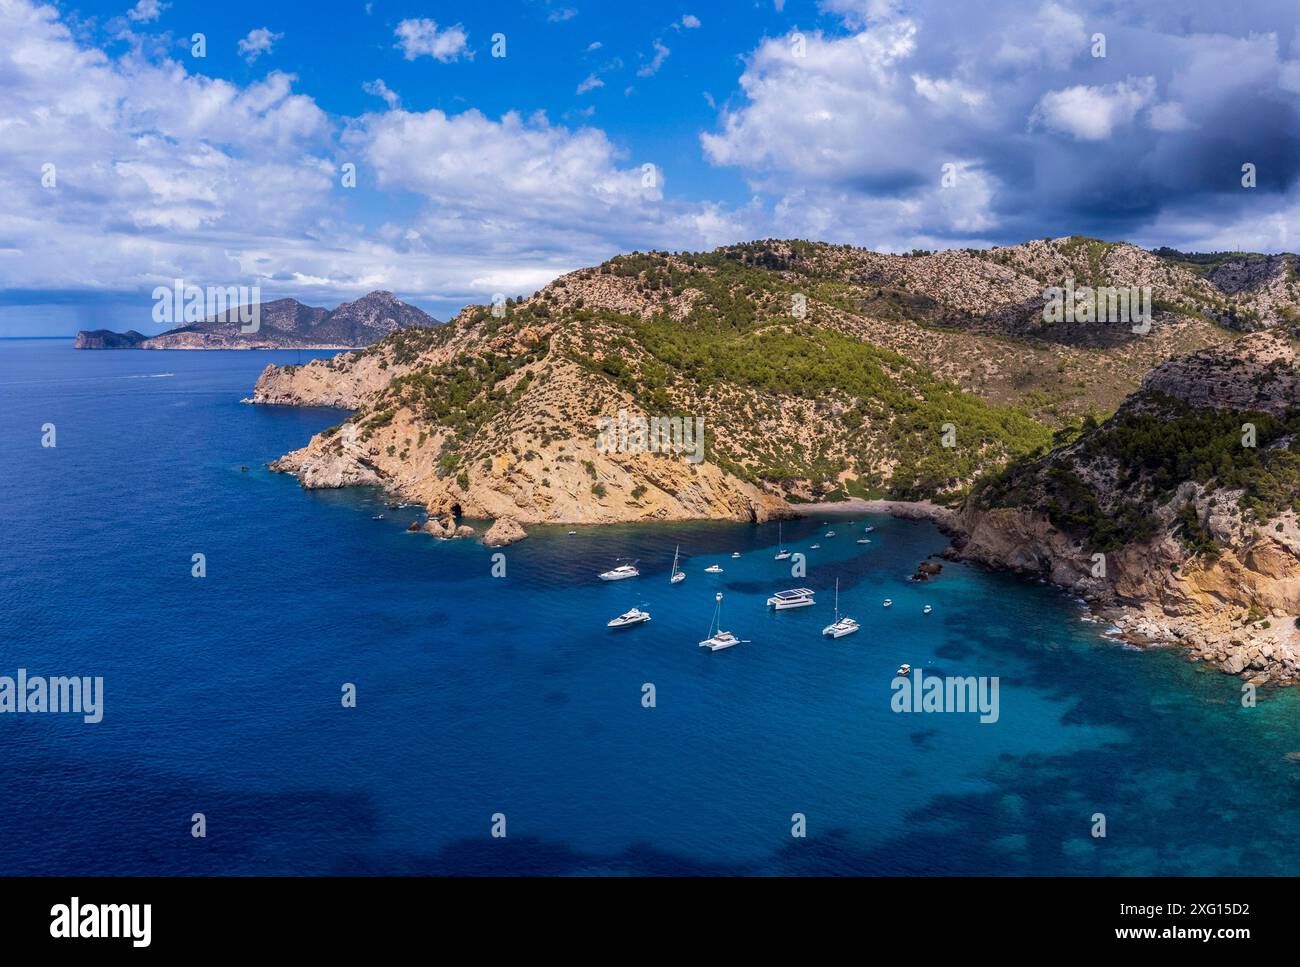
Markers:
<point>480,695</point>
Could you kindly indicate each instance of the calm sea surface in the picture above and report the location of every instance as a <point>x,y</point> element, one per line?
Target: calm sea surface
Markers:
<point>480,695</point>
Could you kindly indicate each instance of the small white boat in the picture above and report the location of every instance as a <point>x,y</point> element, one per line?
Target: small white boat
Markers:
<point>830,533</point>
<point>840,626</point>
<point>634,617</point>
<point>889,602</point>
<point>620,573</point>
<point>927,609</point>
<point>814,547</point>
<point>713,569</point>
<point>868,529</point>
<point>735,553</point>
<point>377,517</point>
<point>781,553</point>
<point>904,670</point>
<point>571,533</point>
<point>678,575</point>
<point>794,598</point>
<point>718,639</point>
<point>864,540</point>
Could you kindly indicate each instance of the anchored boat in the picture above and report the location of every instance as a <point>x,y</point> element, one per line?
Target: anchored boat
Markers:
<point>781,553</point>
<point>621,573</point>
<point>634,617</point>
<point>841,626</point>
<point>718,639</point>
<point>678,575</point>
<point>794,598</point>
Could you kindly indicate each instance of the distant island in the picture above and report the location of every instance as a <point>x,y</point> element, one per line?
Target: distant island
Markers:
<point>283,324</point>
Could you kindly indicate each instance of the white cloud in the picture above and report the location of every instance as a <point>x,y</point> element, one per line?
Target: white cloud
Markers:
<point>589,84</point>
<point>378,88</point>
<point>163,174</point>
<point>661,54</point>
<point>831,114</point>
<point>521,188</point>
<point>1169,116</point>
<point>257,43</point>
<point>860,13</point>
<point>561,15</point>
<point>1092,113</point>
<point>147,11</point>
<point>421,37</point>
<point>947,93</point>
<point>690,21</point>
<point>1052,38</point>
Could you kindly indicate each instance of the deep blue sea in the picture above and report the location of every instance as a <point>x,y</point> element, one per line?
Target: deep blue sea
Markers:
<point>479,695</point>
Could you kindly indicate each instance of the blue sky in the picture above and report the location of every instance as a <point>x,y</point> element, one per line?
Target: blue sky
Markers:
<point>825,119</point>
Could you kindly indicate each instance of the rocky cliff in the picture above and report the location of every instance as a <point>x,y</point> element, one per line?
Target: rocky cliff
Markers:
<point>107,339</point>
<point>1177,517</point>
<point>818,372</point>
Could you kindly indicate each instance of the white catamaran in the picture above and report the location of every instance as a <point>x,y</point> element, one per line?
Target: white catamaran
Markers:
<point>794,598</point>
<point>718,639</point>
<point>841,626</point>
<point>678,575</point>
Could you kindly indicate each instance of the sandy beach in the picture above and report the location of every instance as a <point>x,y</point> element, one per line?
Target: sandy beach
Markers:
<point>908,509</point>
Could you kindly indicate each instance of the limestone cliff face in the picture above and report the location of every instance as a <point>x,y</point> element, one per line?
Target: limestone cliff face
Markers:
<point>1219,568</point>
<point>345,385</point>
<point>495,414</point>
<point>566,480</point>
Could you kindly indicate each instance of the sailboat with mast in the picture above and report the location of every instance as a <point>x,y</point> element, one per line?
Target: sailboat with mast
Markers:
<point>678,575</point>
<point>841,626</point>
<point>781,553</point>
<point>718,639</point>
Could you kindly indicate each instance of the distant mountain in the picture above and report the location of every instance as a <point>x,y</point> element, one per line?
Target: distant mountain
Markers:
<point>283,324</point>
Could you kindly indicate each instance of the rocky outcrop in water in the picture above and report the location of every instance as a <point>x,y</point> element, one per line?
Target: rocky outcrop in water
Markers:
<point>106,339</point>
<point>504,531</point>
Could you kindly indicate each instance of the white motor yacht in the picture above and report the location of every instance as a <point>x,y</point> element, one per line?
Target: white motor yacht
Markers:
<point>634,617</point>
